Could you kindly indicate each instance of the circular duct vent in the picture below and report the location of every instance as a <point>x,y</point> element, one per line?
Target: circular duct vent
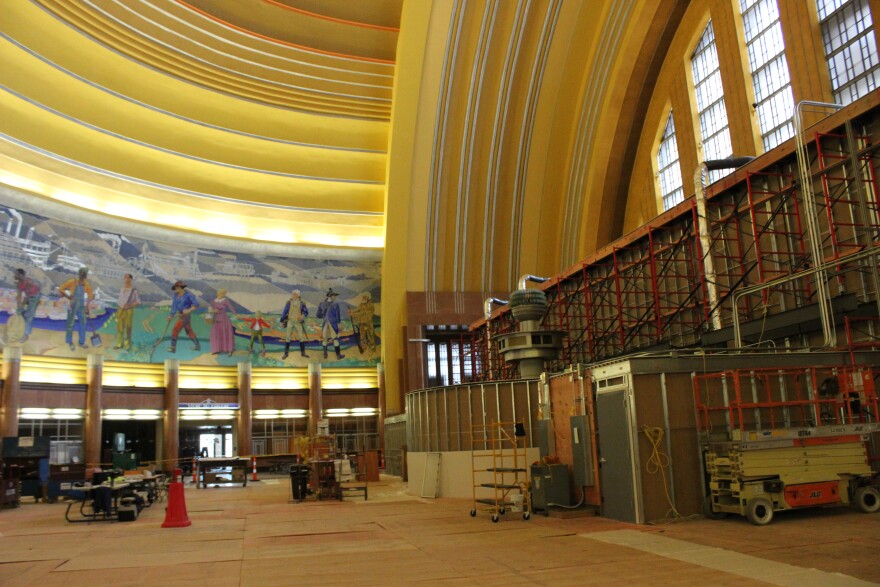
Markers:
<point>528,304</point>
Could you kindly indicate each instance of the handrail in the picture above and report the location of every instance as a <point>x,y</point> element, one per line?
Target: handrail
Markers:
<point>737,334</point>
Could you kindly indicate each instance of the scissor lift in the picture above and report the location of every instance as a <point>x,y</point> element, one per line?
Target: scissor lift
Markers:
<point>780,439</point>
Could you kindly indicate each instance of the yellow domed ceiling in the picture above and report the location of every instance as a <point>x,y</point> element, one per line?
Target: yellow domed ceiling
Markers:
<point>470,141</point>
<point>256,119</point>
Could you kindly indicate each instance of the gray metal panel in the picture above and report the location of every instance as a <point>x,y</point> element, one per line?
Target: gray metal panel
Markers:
<point>615,449</point>
<point>544,437</point>
<point>582,451</point>
<point>550,486</point>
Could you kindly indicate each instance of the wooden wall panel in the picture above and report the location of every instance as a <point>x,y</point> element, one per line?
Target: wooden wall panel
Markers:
<point>685,463</point>
<point>48,398</point>
<point>277,401</point>
<point>684,470</point>
<point>133,401</point>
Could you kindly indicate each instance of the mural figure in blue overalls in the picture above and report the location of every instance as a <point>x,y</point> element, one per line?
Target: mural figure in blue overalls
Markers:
<point>331,312</point>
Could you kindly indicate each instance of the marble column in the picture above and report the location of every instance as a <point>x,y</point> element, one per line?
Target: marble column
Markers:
<point>94,405</point>
<point>380,415</point>
<point>316,402</point>
<point>245,410</point>
<point>171,422</point>
<point>11,391</point>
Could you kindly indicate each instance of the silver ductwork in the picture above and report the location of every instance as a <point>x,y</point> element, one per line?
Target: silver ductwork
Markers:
<point>523,280</point>
<point>530,346</point>
<point>487,306</point>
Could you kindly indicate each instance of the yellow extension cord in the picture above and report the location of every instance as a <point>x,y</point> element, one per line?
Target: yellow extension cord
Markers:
<point>659,462</point>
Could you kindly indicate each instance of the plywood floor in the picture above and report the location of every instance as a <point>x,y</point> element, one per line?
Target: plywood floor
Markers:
<point>255,536</point>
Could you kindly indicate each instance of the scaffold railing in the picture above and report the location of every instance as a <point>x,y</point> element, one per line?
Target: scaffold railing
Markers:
<point>731,402</point>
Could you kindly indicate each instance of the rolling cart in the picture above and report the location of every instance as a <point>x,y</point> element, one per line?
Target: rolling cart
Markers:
<point>500,472</point>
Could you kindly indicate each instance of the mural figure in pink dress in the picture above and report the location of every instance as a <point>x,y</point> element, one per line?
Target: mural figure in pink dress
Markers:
<point>222,333</point>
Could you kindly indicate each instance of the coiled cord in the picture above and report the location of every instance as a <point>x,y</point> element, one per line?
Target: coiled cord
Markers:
<point>659,462</point>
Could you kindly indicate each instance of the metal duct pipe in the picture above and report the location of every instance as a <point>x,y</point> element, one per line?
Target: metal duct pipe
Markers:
<point>823,292</point>
<point>487,309</point>
<point>487,305</point>
<point>532,278</point>
<point>703,228</point>
<point>727,163</point>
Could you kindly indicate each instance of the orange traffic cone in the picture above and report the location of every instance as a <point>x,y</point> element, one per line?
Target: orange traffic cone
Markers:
<point>175,513</point>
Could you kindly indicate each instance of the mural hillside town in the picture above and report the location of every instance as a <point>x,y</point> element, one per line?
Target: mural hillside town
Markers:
<point>66,290</point>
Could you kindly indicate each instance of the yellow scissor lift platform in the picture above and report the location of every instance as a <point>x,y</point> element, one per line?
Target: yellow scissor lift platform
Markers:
<point>500,471</point>
<point>760,456</point>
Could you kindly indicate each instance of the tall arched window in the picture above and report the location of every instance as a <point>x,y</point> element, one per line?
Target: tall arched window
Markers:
<point>714,131</point>
<point>850,47</point>
<point>668,170</point>
<point>774,100</point>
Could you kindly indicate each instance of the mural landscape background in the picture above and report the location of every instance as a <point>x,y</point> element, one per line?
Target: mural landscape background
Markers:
<point>51,252</point>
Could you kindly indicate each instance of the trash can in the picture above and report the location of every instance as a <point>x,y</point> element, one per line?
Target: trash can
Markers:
<point>299,479</point>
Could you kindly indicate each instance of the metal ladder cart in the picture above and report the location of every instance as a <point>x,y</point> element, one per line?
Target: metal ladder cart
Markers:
<point>500,471</point>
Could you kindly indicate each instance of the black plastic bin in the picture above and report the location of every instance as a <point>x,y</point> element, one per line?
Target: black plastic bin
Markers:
<point>299,480</point>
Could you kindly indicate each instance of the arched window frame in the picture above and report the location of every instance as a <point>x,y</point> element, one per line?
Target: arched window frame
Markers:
<point>711,109</point>
<point>669,179</point>
<point>850,48</point>
<point>768,65</point>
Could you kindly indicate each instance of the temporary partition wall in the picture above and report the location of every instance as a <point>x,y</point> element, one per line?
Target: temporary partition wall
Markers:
<point>395,445</point>
<point>440,419</point>
<point>645,410</point>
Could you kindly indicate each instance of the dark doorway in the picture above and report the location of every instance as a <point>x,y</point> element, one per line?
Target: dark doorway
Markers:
<point>138,438</point>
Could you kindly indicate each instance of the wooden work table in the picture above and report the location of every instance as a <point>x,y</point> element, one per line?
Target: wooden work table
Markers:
<point>211,465</point>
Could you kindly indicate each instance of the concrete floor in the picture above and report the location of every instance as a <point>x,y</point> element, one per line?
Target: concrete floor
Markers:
<point>254,536</point>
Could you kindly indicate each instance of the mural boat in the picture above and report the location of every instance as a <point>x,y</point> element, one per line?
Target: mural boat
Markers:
<point>52,313</point>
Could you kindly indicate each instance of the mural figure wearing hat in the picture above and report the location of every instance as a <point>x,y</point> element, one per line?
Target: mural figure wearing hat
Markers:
<point>129,298</point>
<point>79,291</point>
<point>293,318</point>
<point>183,303</point>
<point>330,311</point>
<point>27,298</point>
<point>362,318</point>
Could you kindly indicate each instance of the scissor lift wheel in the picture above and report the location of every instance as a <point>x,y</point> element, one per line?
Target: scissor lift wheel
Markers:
<point>867,499</point>
<point>759,511</point>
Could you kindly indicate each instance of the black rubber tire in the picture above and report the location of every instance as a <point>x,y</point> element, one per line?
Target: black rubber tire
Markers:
<point>502,511</point>
<point>527,515</point>
<point>473,513</point>
<point>759,511</point>
<point>867,499</point>
<point>709,512</point>
<point>495,518</point>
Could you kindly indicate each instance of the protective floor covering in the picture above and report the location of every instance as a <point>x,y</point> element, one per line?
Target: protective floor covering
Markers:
<point>255,536</point>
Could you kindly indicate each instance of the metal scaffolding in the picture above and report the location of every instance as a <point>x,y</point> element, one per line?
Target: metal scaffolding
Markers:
<point>788,239</point>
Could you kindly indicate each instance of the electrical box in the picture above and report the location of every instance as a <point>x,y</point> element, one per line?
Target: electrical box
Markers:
<point>582,451</point>
<point>550,486</point>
